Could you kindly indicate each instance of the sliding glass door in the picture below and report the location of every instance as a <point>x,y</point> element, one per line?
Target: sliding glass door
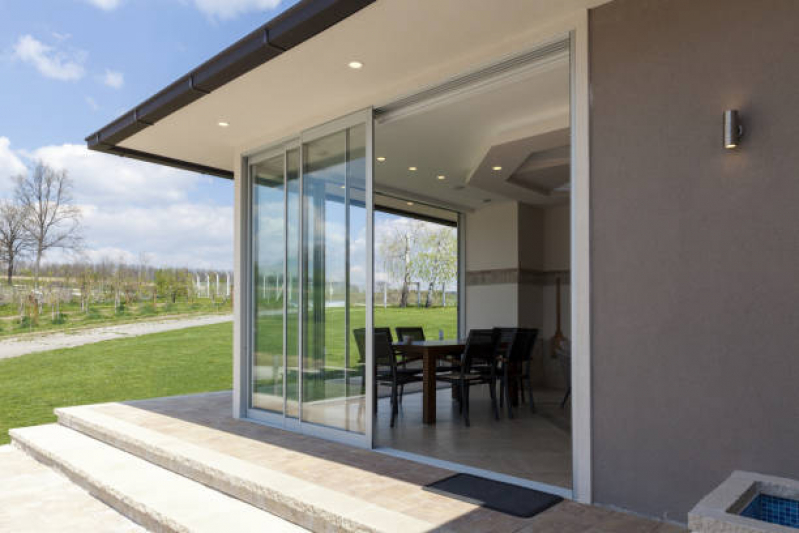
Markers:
<point>311,249</point>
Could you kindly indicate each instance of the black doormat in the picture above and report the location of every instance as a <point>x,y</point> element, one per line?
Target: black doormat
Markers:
<point>503,497</point>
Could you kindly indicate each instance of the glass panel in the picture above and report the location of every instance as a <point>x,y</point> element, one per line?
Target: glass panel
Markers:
<point>334,273</point>
<point>293,283</point>
<point>268,268</point>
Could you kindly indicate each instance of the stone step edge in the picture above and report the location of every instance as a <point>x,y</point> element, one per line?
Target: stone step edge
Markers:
<point>140,513</point>
<point>289,501</point>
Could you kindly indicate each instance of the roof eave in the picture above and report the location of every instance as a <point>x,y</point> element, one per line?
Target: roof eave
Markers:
<point>289,29</point>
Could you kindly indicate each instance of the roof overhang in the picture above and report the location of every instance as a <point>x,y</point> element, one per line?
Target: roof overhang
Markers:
<point>289,29</point>
<point>291,74</point>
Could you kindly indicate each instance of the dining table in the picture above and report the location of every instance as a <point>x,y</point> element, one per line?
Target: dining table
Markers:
<point>430,352</point>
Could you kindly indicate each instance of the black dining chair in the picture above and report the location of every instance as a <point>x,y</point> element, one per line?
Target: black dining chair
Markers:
<point>415,333</point>
<point>476,368</point>
<point>387,371</point>
<point>514,349</point>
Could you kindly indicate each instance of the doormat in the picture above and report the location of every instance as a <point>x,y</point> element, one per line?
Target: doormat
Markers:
<point>503,497</point>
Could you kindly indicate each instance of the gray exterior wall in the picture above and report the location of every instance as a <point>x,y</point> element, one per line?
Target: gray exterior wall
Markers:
<point>695,251</point>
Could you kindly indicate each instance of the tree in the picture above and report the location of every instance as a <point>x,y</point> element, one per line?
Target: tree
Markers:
<point>14,241</point>
<point>436,260</point>
<point>396,247</point>
<point>51,219</point>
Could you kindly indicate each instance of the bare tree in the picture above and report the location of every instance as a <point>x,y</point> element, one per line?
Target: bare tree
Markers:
<point>52,221</point>
<point>397,247</point>
<point>14,241</point>
<point>437,258</point>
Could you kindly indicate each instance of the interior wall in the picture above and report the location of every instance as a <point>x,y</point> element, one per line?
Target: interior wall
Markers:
<point>694,248</point>
<point>514,253</point>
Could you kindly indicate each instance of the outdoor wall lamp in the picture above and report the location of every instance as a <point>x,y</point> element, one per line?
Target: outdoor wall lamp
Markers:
<point>733,130</point>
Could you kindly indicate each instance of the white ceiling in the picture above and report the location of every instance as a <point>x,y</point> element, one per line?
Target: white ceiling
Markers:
<point>405,45</point>
<point>464,138</point>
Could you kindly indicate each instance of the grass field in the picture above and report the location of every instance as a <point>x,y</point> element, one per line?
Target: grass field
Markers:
<point>177,362</point>
<point>71,317</point>
<point>162,364</point>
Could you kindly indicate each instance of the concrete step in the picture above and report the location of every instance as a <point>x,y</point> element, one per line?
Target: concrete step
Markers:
<point>35,498</point>
<point>156,498</point>
<point>302,502</point>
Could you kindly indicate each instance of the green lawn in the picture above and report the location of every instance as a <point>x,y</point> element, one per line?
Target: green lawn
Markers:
<point>161,364</point>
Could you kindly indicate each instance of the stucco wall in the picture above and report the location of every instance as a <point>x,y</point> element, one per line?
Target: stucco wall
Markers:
<point>695,251</point>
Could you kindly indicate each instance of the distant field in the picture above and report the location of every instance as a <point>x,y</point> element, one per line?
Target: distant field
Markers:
<point>98,315</point>
<point>177,362</point>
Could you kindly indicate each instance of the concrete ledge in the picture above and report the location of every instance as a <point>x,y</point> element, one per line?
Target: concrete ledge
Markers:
<point>719,511</point>
<point>158,499</point>
<point>309,505</point>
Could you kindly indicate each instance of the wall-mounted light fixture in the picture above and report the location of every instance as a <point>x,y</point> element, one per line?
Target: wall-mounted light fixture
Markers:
<point>733,130</point>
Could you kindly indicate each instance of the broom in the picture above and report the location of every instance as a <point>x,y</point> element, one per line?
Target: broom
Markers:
<point>558,338</point>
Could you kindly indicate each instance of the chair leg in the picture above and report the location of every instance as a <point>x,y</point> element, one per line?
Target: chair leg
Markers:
<point>530,388</point>
<point>492,391</point>
<point>566,397</point>
<point>394,408</point>
<point>506,383</point>
<point>465,401</point>
<point>401,393</point>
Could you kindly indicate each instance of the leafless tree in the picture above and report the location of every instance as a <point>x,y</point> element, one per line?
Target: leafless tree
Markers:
<point>14,241</point>
<point>51,221</point>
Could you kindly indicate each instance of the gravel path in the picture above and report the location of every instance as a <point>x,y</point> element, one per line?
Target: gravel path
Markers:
<point>53,341</point>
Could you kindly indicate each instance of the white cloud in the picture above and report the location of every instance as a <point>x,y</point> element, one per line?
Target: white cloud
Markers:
<point>106,5</point>
<point>49,61</point>
<point>228,9</point>
<point>111,180</point>
<point>10,163</point>
<point>113,79</point>
<point>131,206</point>
<point>92,103</point>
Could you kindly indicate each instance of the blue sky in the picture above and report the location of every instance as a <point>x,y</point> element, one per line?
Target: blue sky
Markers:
<point>67,67</point>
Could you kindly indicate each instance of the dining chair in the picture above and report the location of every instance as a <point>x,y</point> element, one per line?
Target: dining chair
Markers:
<point>476,368</point>
<point>514,348</point>
<point>387,367</point>
<point>388,372</point>
<point>415,333</point>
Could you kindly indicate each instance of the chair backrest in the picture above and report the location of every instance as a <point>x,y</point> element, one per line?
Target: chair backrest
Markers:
<point>384,351</point>
<point>383,347</point>
<point>479,347</point>
<point>415,333</point>
<point>504,341</point>
<point>387,331</point>
<point>360,341</point>
<point>525,340</point>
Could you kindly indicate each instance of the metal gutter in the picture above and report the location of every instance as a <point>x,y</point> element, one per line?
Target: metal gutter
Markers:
<point>289,29</point>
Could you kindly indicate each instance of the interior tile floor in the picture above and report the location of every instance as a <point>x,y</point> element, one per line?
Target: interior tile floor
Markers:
<point>383,481</point>
<point>535,446</point>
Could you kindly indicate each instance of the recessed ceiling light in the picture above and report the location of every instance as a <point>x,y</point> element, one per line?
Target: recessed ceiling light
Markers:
<point>409,203</point>
<point>497,168</point>
<point>442,177</point>
<point>343,186</point>
<point>355,65</point>
<point>412,169</point>
<point>223,124</point>
<point>381,158</point>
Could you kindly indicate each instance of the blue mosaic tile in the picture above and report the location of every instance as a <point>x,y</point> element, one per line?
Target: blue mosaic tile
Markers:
<point>773,510</point>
